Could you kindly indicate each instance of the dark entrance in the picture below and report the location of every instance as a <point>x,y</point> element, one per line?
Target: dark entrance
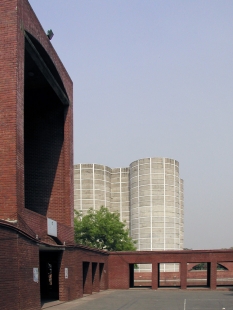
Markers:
<point>131,275</point>
<point>49,274</point>
<point>87,287</point>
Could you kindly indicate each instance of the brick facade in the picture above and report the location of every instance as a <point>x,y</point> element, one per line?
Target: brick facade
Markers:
<point>20,254</point>
<point>36,156</point>
<point>36,183</point>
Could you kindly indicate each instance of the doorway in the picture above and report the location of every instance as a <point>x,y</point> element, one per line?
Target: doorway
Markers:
<point>49,274</point>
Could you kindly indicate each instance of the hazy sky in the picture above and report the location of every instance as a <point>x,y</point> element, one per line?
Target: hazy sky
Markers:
<point>155,79</point>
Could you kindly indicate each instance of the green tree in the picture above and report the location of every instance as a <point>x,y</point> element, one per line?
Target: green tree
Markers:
<point>103,230</point>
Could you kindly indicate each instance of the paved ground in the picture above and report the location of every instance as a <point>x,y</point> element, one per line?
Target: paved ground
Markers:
<point>145,299</point>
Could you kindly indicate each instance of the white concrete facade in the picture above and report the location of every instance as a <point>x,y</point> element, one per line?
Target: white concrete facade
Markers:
<point>148,196</point>
<point>98,185</point>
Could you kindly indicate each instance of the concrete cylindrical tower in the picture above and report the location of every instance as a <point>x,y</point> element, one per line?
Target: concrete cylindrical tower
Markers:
<point>155,204</point>
<point>181,214</point>
<point>92,187</point>
<point>120,193</point>
<point>148,196</point>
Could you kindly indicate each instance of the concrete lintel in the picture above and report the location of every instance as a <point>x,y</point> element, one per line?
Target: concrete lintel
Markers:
<point>48,248</point>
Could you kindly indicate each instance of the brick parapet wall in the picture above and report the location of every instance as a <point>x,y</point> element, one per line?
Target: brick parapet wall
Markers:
<point>73,258</point>
<point>194,278</point>
<point>118,272</point>
<point>119,264</point>
<point>38,224</point>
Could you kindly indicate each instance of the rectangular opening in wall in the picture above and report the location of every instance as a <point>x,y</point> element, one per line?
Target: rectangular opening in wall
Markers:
<point>169,275</point>
<point>142,275</point>
<point>44,117</point>
<point>49,275</point>
<point>86,283</point>
<point>224,274</point>
<point>102,276</point>
<point>95,278</point>
<point>94,269</point>
<point>198,274</point>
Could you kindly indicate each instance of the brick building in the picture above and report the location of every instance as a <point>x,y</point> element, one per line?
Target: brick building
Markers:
<point>38,257</point>
<point>36,162</point>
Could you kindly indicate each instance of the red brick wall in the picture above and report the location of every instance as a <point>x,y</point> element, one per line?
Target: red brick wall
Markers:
<point>119,264</point>
<point>64,214</point>
<point>17,17</point>
<point>70,288</point>
<point>73,258</point>
<point>118,272</point>
<point>142,278</point>
<point>9,276</point>
<point>194,278</point>
<point>20,254</point>
<point>18,257</point>
<point>59,210</point>
<point>38,224</point>
<point>8,112</point>
<point>28,259</point>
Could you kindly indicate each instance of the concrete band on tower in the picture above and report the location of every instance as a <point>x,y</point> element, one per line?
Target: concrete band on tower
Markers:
<point>148,196</point>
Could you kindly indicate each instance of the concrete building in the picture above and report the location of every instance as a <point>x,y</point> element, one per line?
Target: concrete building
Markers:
<point>148,195</point>
<point>98,185</point>
<point>92,186</point>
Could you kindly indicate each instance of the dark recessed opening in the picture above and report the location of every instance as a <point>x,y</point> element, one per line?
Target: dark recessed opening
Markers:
<point>44,116</point>
<point>85,277</point>
<point>49,275</point>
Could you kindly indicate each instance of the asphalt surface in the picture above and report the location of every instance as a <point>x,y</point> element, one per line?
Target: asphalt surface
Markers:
<point>138,299</point>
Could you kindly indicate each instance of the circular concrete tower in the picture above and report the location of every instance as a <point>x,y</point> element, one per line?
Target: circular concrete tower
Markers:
<point>181,214</point>
<point>92,187</point>
<point>156,200</point>
<point>120,193</point>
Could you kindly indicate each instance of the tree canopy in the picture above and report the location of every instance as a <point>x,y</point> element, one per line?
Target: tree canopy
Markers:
<point>102,229</point>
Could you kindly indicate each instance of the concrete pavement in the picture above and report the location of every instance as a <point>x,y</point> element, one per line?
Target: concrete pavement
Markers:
<point>138,299</point>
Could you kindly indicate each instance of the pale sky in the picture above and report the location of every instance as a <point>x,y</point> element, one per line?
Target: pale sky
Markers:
<point>155,79</point>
